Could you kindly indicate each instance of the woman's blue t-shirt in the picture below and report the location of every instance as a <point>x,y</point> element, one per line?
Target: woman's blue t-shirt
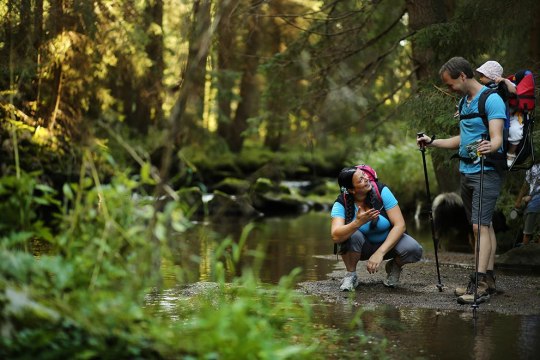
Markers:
<point>380,232</point>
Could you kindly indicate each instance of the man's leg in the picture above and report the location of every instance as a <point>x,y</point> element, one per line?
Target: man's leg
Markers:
<point>469,294</point>
<point>490,274</point>
<point>484,255</point>
<point>493,239</point>
<point>470,189</point>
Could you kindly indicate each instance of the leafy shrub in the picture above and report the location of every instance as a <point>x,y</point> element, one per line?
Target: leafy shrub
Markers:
<point>85,296</point>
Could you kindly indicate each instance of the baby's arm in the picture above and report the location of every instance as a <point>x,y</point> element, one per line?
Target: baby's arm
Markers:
<point>510,85</point>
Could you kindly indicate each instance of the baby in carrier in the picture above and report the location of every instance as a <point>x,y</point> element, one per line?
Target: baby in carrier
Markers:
<point>491,75</point>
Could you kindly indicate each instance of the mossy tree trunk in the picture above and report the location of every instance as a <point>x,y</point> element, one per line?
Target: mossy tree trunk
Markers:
<point>423,14</point>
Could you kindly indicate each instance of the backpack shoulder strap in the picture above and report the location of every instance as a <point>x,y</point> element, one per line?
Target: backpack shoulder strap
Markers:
<point>341,199</point>
<point>481,107</point>
<point>379,204</point>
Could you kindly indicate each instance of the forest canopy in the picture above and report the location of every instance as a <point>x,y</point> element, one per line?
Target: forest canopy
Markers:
<point>182,83</point>
<point>110,109</point>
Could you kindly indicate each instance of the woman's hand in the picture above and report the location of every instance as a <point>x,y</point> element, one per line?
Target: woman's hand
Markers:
<point>364,217</point>
<point>373,262</point>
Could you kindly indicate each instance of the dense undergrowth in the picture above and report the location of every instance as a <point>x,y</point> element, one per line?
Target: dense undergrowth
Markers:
<point>74,286</point>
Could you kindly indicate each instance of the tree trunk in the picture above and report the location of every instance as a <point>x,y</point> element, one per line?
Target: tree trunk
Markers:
<point>225,71</point>
<point>37,41</point>
<point>248,85</point>
<point>57,14</point>
<point>423,13</point>
<point>275,124</point>
<point>198,52</point>
<point>195,74</point>
<point>148,90</point>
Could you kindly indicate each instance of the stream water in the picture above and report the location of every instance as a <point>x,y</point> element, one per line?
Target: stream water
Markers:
<point>303,241</point>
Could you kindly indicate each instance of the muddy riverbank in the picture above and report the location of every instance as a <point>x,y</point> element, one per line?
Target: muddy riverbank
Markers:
<point>518,288</point>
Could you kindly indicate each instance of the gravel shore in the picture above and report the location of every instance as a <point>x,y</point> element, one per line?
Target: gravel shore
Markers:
<point>518,289</point>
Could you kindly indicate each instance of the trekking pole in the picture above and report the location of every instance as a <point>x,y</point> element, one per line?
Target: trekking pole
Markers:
<point>433,234</point>
<point>477,250</point>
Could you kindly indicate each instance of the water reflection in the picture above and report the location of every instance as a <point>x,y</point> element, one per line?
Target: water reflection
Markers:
<point>301,241</point>
<point>304,241</point>
<point>430,334</point>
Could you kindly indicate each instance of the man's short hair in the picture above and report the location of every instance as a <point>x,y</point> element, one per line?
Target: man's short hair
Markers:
<point>457,65</point>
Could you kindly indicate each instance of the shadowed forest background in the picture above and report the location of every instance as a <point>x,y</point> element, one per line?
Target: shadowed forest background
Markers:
<point>101,99</point>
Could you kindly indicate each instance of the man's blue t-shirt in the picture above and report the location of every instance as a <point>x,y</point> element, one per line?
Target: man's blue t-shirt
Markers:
<point>471,130</point>
<point>380,232</point>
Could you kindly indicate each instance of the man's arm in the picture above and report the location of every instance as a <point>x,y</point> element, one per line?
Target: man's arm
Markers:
<point>496,133</point>
<point>450,143</point>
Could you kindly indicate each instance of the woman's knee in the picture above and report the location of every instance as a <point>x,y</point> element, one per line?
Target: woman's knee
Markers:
<point>410,251</point>
<point>415,253</point>
<point>356,242</point>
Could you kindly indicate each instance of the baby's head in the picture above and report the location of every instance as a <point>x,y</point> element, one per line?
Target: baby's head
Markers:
<point>489,71</point>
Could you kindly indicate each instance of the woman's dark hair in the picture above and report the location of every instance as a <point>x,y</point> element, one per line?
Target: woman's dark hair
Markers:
<point>345,178</point>
<point>370,200</point>
<point>345,182</point>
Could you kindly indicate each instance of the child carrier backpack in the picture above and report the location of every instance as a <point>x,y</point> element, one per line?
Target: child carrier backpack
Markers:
<point>377,188</point>
<point>523,101</point>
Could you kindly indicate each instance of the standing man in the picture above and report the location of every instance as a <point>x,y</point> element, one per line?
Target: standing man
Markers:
<point>458,75</point>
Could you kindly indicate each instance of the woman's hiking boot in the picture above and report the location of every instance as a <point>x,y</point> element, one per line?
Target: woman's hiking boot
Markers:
<point>393,272</point>
<point>349,282</point>
<point>482,293</point>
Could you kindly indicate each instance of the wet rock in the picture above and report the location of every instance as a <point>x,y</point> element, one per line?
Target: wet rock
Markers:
<point>271,204</point>
<point>233,186</point>
<point>523,256</point>
<point>229,205</point>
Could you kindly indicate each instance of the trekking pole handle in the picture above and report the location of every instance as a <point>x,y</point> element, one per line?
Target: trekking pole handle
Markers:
<point>483,137</point>
<point>419,135</point>
<point>423,144</point>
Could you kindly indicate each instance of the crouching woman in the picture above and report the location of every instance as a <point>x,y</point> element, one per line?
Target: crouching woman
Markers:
<point>367,224</point>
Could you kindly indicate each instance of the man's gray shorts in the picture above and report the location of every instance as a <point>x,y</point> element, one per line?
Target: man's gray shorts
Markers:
<point>407,248</point>
<point>470,194</point>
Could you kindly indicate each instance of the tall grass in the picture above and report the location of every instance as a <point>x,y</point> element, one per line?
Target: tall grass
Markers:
<point>84,295</point>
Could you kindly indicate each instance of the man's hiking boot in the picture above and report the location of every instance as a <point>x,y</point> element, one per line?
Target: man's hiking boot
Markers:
<point>393,272</point>
<point>490,277</point>
<point>481,294</point>
<point>463,290</point>
<point>349,283</point>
